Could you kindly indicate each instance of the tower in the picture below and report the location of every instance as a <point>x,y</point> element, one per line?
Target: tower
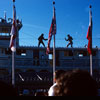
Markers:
<point>5,29</point>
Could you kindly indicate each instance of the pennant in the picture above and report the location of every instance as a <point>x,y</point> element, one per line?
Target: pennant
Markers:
<point>13,32</point>
<point>52,31</point>
<point>89,35</point>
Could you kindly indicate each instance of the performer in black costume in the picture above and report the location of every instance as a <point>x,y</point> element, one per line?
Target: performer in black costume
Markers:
<point>70,40</point>
<point>41,38</point>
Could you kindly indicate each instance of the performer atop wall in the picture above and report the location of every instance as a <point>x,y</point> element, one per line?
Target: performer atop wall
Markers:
<point>70,40</point>
<point>40,40</point>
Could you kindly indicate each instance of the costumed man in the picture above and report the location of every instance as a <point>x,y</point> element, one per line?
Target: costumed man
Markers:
<point>40,40</point>
<point>70,40</point>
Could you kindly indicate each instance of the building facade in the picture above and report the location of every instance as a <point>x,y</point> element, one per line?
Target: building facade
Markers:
<point>34,59</point>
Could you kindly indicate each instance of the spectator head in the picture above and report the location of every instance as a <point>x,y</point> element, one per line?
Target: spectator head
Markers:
<point>57,74</point>
<point>76,83</point>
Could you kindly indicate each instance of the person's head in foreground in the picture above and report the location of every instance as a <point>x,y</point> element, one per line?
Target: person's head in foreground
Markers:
<point>76,83</point>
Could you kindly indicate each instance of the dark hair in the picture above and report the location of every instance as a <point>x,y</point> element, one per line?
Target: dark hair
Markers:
<point>58,73</point>
<point>42,34</point>
<point>76,83</point>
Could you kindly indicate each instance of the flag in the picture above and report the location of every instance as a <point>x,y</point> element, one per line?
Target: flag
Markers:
<point>13,32</point>
<point>52,31</point>
<point>89,35</point>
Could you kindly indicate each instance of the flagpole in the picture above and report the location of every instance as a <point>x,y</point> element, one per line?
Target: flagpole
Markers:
<point>54,50</point>
<point>91,71</point>
<point>13,62</point>
<point>54,59</point>
<point>13,69</point>
<point>52,32</point>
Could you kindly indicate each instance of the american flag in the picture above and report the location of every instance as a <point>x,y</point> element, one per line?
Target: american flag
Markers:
<point>13,32</point>
<point>89,35</point>
<point>52,31</point>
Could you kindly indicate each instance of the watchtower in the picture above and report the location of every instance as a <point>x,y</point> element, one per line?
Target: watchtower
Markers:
<point>5,29</point>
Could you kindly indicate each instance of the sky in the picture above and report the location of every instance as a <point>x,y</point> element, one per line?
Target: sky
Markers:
<point>72,17</point>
